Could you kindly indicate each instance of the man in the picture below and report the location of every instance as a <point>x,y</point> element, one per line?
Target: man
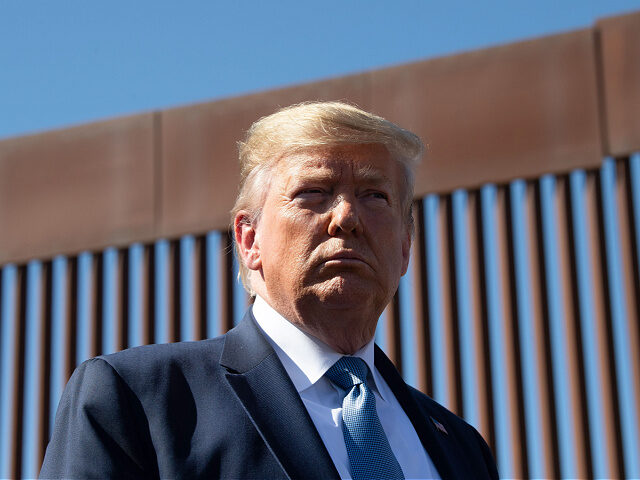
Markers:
<point>323,231</point>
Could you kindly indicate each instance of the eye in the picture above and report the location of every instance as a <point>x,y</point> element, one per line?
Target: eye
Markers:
<point>310,191</point>
<point>377,195</point>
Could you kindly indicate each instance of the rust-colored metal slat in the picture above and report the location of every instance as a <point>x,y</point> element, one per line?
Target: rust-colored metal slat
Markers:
<point>479,319</point>
<point>510,369</point>
<point>590,284</point>
<point>541,334</point>
<point>420,301</point>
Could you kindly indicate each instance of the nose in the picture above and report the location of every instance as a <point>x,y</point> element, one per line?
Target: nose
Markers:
<point>344,217</point>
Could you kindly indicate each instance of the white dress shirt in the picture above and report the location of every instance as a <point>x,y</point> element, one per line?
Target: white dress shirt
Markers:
<point>306,359</point>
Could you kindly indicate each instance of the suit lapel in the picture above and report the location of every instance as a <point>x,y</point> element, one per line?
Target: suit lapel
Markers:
<point>440,447</point>
<point>266,393</point>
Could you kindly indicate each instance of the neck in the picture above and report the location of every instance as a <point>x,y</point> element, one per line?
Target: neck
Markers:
<point>346,330</point>
<point>346,341</point>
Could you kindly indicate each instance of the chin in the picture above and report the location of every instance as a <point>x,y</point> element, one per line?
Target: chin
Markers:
<point>341,292</point>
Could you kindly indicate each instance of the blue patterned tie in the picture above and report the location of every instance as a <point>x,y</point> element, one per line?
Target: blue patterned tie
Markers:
<point>369,452</point>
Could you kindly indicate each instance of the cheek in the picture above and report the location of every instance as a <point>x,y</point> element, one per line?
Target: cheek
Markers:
<point>389,239</point>
<point>290,238</point>
<point>299,226</point>
<point>385,226</point>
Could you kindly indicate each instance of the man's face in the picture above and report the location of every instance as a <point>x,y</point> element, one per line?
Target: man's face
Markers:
<point>333,229</point>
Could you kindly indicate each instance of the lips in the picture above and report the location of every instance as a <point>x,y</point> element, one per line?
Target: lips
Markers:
<point>344,257</point>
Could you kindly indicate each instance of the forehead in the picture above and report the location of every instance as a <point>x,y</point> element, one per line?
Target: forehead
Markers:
<point>358,162</point>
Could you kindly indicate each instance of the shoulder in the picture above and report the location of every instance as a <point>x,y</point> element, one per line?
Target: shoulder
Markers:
<point>117,408</point>
<point>169,355</point>
<point>148,370</point>
<point>469,439</point>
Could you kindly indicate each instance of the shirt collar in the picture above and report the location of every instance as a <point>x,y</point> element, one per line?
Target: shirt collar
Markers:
<point>305,357</point>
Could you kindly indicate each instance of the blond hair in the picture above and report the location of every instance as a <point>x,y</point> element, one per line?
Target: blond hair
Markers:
<point>308,125</point>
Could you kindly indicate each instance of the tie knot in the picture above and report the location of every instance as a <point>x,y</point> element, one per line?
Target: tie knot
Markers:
<point>347,372</point>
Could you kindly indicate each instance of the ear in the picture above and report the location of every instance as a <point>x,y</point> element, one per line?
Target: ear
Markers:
<point>406,251</point>
<point>247,240</point>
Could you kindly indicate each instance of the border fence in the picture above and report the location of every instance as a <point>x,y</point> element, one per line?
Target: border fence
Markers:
<point>520,311</point>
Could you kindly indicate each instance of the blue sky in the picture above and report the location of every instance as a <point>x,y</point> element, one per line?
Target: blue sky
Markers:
<point>69,62</point>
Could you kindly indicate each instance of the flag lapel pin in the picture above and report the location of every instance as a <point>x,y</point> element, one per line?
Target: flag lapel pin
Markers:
<point>439,426</point>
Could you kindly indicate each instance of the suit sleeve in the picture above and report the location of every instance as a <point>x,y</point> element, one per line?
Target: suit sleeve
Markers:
<point>100,429</point>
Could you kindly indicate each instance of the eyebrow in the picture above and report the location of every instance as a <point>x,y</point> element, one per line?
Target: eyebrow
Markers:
<point>371,175</point>
<point>367,174</point>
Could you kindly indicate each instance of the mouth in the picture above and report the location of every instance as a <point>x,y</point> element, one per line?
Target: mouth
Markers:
<point>344,258</point>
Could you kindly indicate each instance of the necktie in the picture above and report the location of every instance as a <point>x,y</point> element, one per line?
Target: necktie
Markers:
<point>368,449</point>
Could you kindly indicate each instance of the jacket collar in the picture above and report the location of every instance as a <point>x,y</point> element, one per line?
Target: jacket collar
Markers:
<point>440,446</point>
<point>271,401</point>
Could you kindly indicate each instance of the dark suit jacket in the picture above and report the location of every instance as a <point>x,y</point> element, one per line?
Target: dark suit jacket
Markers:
<point>220,408</point>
